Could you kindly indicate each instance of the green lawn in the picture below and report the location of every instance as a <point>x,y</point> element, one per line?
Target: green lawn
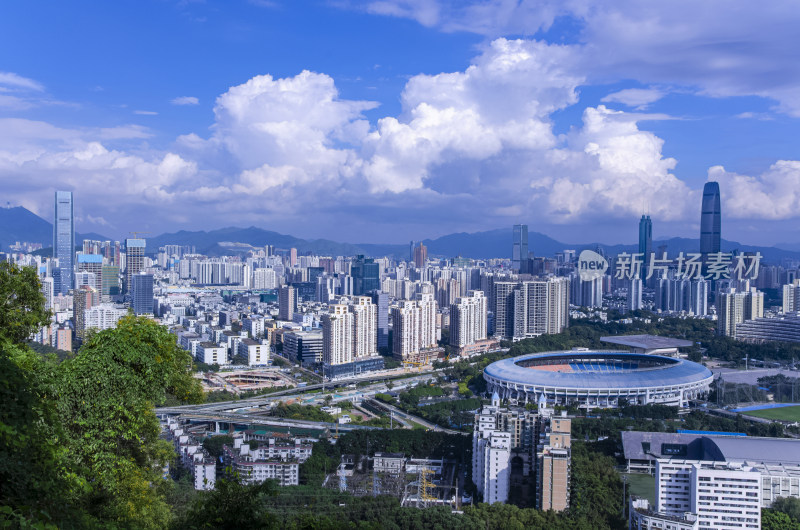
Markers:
<point>782,413</point>
<point>642,486</point>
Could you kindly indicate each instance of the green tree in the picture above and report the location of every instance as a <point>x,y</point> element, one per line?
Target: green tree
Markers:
<point>22,306</point>
<point>231,505</point>
<point>106,398</point>
<point>788,505</point>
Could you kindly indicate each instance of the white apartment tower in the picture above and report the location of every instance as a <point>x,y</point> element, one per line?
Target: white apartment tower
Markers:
<point>736,307</point>
<point>468,319</point>
<point>414,325</point>
<point>365,327</point>
<point>337,335</point>
<point>497,468</point>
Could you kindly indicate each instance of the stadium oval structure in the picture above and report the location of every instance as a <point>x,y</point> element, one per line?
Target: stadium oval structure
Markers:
<point>592,378</point>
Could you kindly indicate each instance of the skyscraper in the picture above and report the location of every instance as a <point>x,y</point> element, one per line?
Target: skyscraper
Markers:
<point>134,260</point>
<point>64,241</point>
<point>645,237</point>
<point>366,275</point>
<point>142,294</point>
<point>519,247</point>
<point>420,255</point>
<point>381,301</point>
<point>710,219</point>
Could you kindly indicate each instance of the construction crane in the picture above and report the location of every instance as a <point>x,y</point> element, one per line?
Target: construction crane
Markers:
<point>425,487</point>
<point>413,363</point>
<point>136,234</point>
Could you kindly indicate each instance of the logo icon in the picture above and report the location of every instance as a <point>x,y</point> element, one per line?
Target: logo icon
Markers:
<point>591,265</point>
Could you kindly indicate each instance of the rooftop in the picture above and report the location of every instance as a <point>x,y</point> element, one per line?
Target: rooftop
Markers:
<point>647,342</point>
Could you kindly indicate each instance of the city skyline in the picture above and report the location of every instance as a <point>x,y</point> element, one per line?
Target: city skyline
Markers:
<point>518,117</point>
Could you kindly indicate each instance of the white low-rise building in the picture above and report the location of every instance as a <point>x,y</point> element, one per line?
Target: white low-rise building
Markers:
<point>257,354</point>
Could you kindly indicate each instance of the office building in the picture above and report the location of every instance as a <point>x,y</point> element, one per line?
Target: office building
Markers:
<point>381,301</point>
<point>93,264</point>
<point>64,241</point>
<point>304,347</point>
<point>645,238</point>
<point>134,260</point>
<point>710,219</point>
<point>735,307</point>
<point>720,494</point>
<point>420,255</point>
<point>519,248</point>
<point>366,275</point>
<point>256,353</point>
<point>109,280</point>
<point>212,353</point>
<point>468,319</point>
<point>142,294</point>
<point>287,303</point>
<point>531,308</point>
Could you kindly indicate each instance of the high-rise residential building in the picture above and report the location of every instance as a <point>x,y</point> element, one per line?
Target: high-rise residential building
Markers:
<point>293,257</point>
<point>103,316</point>
<point>586,293</point>
<point>83,298</point>
<point>381,301</point>
<point>519,247</point>
<point>420,255</point>
<point>553,457</point>
<point>468,319</point>
<point>634,294</point>
<point>735,307</point>
<point>524,450</point>
<point>645,238</point>
<point>64,241</point>
<point>414,327</point>
<point>287,303</point>
<point>134,260</point>
<point>142,294</point>
<point>791,297</point>
<point>710,219</point>
<point>337,335</point>
<point>48,288</point>
<point>365,327</point>
<point>366,275</point>
<point>531,308</point>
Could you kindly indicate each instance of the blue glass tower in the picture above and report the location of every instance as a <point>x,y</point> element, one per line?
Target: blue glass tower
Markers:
<point>64,242</point>
<point>710,219</point>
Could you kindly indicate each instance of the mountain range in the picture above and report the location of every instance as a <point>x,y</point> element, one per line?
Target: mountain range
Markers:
<point>20,224</point>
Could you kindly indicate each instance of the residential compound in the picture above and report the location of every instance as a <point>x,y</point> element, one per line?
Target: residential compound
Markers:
<point>706,480</point>
<point>266,459</point>
<point>522,453</point>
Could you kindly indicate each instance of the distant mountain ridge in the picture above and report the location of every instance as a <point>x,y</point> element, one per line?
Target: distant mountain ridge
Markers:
<point>20,224</point>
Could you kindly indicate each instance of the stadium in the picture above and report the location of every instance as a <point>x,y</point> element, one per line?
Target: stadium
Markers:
<point>598,379</point>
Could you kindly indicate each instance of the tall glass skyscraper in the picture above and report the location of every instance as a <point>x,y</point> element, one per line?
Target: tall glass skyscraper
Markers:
<point>710,219</point>
<point>519,247</point>
<point>64,241</point>
<point>645,237</point>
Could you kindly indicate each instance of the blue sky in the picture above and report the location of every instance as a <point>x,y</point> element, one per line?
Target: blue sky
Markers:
<point>403,119</point>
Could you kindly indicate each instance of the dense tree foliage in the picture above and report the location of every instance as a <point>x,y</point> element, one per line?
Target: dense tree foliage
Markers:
<point>22,306</point>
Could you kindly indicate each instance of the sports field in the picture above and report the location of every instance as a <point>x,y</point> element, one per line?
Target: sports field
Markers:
<point>782,413</point>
